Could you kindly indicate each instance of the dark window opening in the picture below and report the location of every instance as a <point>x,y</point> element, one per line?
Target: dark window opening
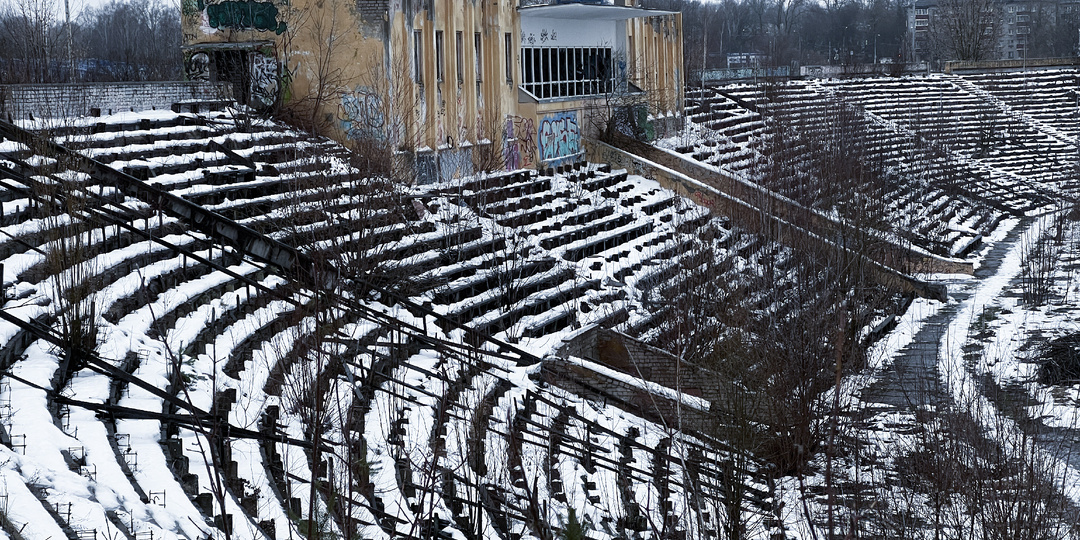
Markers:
<point>418,56</point>
<point>440,59</point>
<point>479,62</point>
<point>460,57</point>
<point>508,45</point>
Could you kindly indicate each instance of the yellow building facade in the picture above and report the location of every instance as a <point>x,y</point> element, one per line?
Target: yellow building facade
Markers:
<point>454,84</point>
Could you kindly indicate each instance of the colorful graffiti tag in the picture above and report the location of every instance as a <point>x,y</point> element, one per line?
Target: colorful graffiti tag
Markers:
<point>265,82</point>
<point>197,67</point>
<point>558,137</point>
<point>361,114</point>
<point>520,143</point>
<point>243,15</point>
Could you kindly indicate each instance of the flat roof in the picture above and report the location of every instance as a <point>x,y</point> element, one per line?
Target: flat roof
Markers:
<point>601,12</point>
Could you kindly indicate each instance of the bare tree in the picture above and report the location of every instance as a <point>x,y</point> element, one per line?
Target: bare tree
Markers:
<point>132,40</point>
<point>30,41</point>
<point>965,30</point>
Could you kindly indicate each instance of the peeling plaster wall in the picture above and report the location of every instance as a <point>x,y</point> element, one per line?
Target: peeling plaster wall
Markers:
<point>655,57</point>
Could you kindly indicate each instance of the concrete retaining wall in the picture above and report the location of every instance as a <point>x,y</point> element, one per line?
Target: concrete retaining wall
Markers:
<point>71,100</point>
<point>772,216</point>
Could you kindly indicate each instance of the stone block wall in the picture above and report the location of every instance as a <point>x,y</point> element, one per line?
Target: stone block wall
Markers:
<point>20,101</point>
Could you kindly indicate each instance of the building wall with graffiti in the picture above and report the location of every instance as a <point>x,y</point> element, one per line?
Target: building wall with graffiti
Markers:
<point>235,21</point>
<point>422,75</point>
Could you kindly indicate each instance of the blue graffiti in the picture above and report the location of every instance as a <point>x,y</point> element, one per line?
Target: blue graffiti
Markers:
<point>559,136</point>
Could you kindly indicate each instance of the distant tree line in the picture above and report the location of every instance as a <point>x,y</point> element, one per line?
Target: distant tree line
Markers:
<point>841,32</point>
<point>786,31</point>
<point>123,40</point>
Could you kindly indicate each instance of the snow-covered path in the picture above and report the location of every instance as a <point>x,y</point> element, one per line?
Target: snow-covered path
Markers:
<point>931,372</point>
<point>913,377</point>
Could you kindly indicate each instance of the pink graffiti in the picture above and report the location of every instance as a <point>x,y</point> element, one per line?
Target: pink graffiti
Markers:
<point>520,144</point>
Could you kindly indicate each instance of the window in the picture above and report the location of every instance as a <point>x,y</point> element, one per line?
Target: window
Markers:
<point>508,46</point>
<point>1012,9</point>
<point>921,22</point>
<point>1022,29</point>
<point>459,56</point>
<point>418,56</point>
<point>478,60</point>
<point>922,11</point>
<point>440,58</point>
<point>554,72</point>
<point>1023,18</point>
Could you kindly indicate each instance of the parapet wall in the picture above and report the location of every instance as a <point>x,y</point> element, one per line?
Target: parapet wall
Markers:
<point>20,101</point>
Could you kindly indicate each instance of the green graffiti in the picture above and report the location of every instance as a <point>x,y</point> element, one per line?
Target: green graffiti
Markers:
<point>244,15</point>
<point>190,7</point>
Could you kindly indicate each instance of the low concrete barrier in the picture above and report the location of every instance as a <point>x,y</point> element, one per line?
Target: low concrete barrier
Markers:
<point>780,219</point>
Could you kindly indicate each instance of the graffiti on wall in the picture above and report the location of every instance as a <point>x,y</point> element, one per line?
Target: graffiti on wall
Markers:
<point>361,114</point>
<point>455,163</point>
<point>520,143</point>
<point>265,81</point>
<point>242,15</point>
<point>558,137</point>
<point>197,67</point>
<point>546,35</point>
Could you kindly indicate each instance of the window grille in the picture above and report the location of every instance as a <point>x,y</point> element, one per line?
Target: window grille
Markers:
<point>556,72</point>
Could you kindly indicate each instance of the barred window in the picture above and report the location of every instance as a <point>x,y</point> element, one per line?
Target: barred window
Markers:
<point>554,72</point>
